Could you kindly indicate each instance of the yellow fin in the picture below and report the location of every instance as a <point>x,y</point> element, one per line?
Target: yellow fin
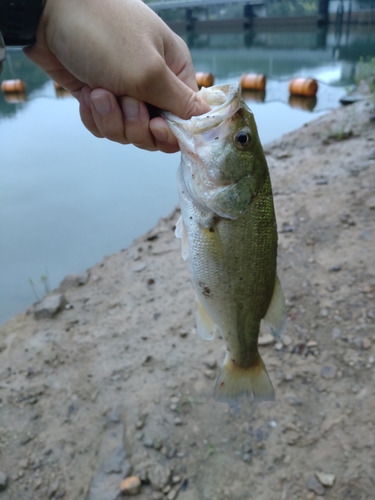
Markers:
<point>205,326</point>
<point>234,381</point>
<point>276,315</point>
<point>180,232</point>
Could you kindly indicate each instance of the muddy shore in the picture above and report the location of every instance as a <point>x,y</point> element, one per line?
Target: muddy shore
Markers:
<point>118,382</point>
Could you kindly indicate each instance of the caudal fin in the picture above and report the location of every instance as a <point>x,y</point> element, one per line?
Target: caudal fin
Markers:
<point>234,381</point>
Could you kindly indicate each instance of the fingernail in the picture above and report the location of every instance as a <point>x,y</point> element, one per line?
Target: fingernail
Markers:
<point>130,107</point>
<point>101,103</point>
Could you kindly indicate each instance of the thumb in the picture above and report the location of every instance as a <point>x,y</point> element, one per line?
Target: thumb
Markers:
<point>171,94</point>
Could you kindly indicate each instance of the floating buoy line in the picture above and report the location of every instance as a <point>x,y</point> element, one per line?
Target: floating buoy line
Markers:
<point>302,91</point>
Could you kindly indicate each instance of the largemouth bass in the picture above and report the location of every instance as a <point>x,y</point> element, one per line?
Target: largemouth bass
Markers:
<point>229,236</point>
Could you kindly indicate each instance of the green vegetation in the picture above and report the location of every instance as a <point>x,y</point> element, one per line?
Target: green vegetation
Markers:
<point>187,400</point>
<point>210,449</point>
<point>44,280</point>
<point>365,70</point>
<point>292,7</point>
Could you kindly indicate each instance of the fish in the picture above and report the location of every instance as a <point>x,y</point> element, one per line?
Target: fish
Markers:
<point>229,237</point>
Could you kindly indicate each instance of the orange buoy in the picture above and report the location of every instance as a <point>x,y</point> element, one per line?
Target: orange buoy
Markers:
<point>254,95</point>
<point>302,102</point>
<point>303,86</point>
<point>204,79</point>
<point>251,81</point>
<point>15,97</point>
<point>13,86</point>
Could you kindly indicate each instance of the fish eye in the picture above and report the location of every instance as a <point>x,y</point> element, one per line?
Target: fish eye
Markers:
<point>242,139</point>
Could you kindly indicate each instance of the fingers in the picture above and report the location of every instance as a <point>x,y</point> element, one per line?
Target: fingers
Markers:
<point>107,116</point>
<point>136,123</point>
<point>126,122</point>
<point>87,118</point>
<point>163,137</point>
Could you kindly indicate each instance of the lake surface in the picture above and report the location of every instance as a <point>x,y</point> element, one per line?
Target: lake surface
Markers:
<point>67,198</point>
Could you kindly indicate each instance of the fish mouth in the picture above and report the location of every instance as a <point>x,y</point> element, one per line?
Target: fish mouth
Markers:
<point>224,101</point>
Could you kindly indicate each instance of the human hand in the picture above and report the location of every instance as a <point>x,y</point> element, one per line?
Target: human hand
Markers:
<point>115,57</point>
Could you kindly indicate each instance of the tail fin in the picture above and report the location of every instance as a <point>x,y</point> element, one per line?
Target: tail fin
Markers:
<point>234,381</point>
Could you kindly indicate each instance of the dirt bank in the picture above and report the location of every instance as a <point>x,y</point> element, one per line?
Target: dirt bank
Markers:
<point>118,383</point>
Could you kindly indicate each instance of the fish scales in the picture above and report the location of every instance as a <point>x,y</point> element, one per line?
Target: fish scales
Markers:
<point>229,236</point>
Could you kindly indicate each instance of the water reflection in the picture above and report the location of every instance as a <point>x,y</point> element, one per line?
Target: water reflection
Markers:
<point>67,198</point>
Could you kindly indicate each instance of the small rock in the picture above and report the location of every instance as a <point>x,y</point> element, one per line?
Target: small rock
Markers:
<point>158,443</point>
<point>328,371</point>
<point>335,269</point>
<point>370,203</point>
<point>159,476</point>
<point>148,443</point>
<point>366,343</point>
<point>157,495</point>
<point>321,181</point>
<point>325,479</point>
<point>53,488</point>
<point>139,267</point>
<point>171,452</point>
<point>141,471</point>
<point>293,399</point>
<point>210,374</point>
<point>286,340</point>
<point>283,154</point>
<point>49,306</point>
<point>3,481</point>
<point>74,280</point>
<point>278,346</point>
<point>246,457</point>
<point>313,484</point>
<point>246,447</point>
<point>173,494</point>
<point>324,312</point>
<point>38,483</point>
<point>130,486</point>
<point>211,363</point>
<point>311,343</point>
<point>177,421</point>
<point>266,339</point>
<point>176,479</point>
<point>336,333</point>
<point>139,424</point>
<point>167,489</point>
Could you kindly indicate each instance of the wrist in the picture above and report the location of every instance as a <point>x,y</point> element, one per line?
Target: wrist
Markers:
<point>19,20</point>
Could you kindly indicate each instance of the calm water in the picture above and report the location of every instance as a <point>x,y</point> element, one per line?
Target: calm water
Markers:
<point>67,198</point>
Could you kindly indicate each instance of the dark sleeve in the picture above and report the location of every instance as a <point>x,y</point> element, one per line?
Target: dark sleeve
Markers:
<point>19,20</point>
<point>2,52</point>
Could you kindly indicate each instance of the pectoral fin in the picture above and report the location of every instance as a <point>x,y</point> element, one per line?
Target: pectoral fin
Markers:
<point>276,314</point>
<point>180,232</point>
<point>206,327</point>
